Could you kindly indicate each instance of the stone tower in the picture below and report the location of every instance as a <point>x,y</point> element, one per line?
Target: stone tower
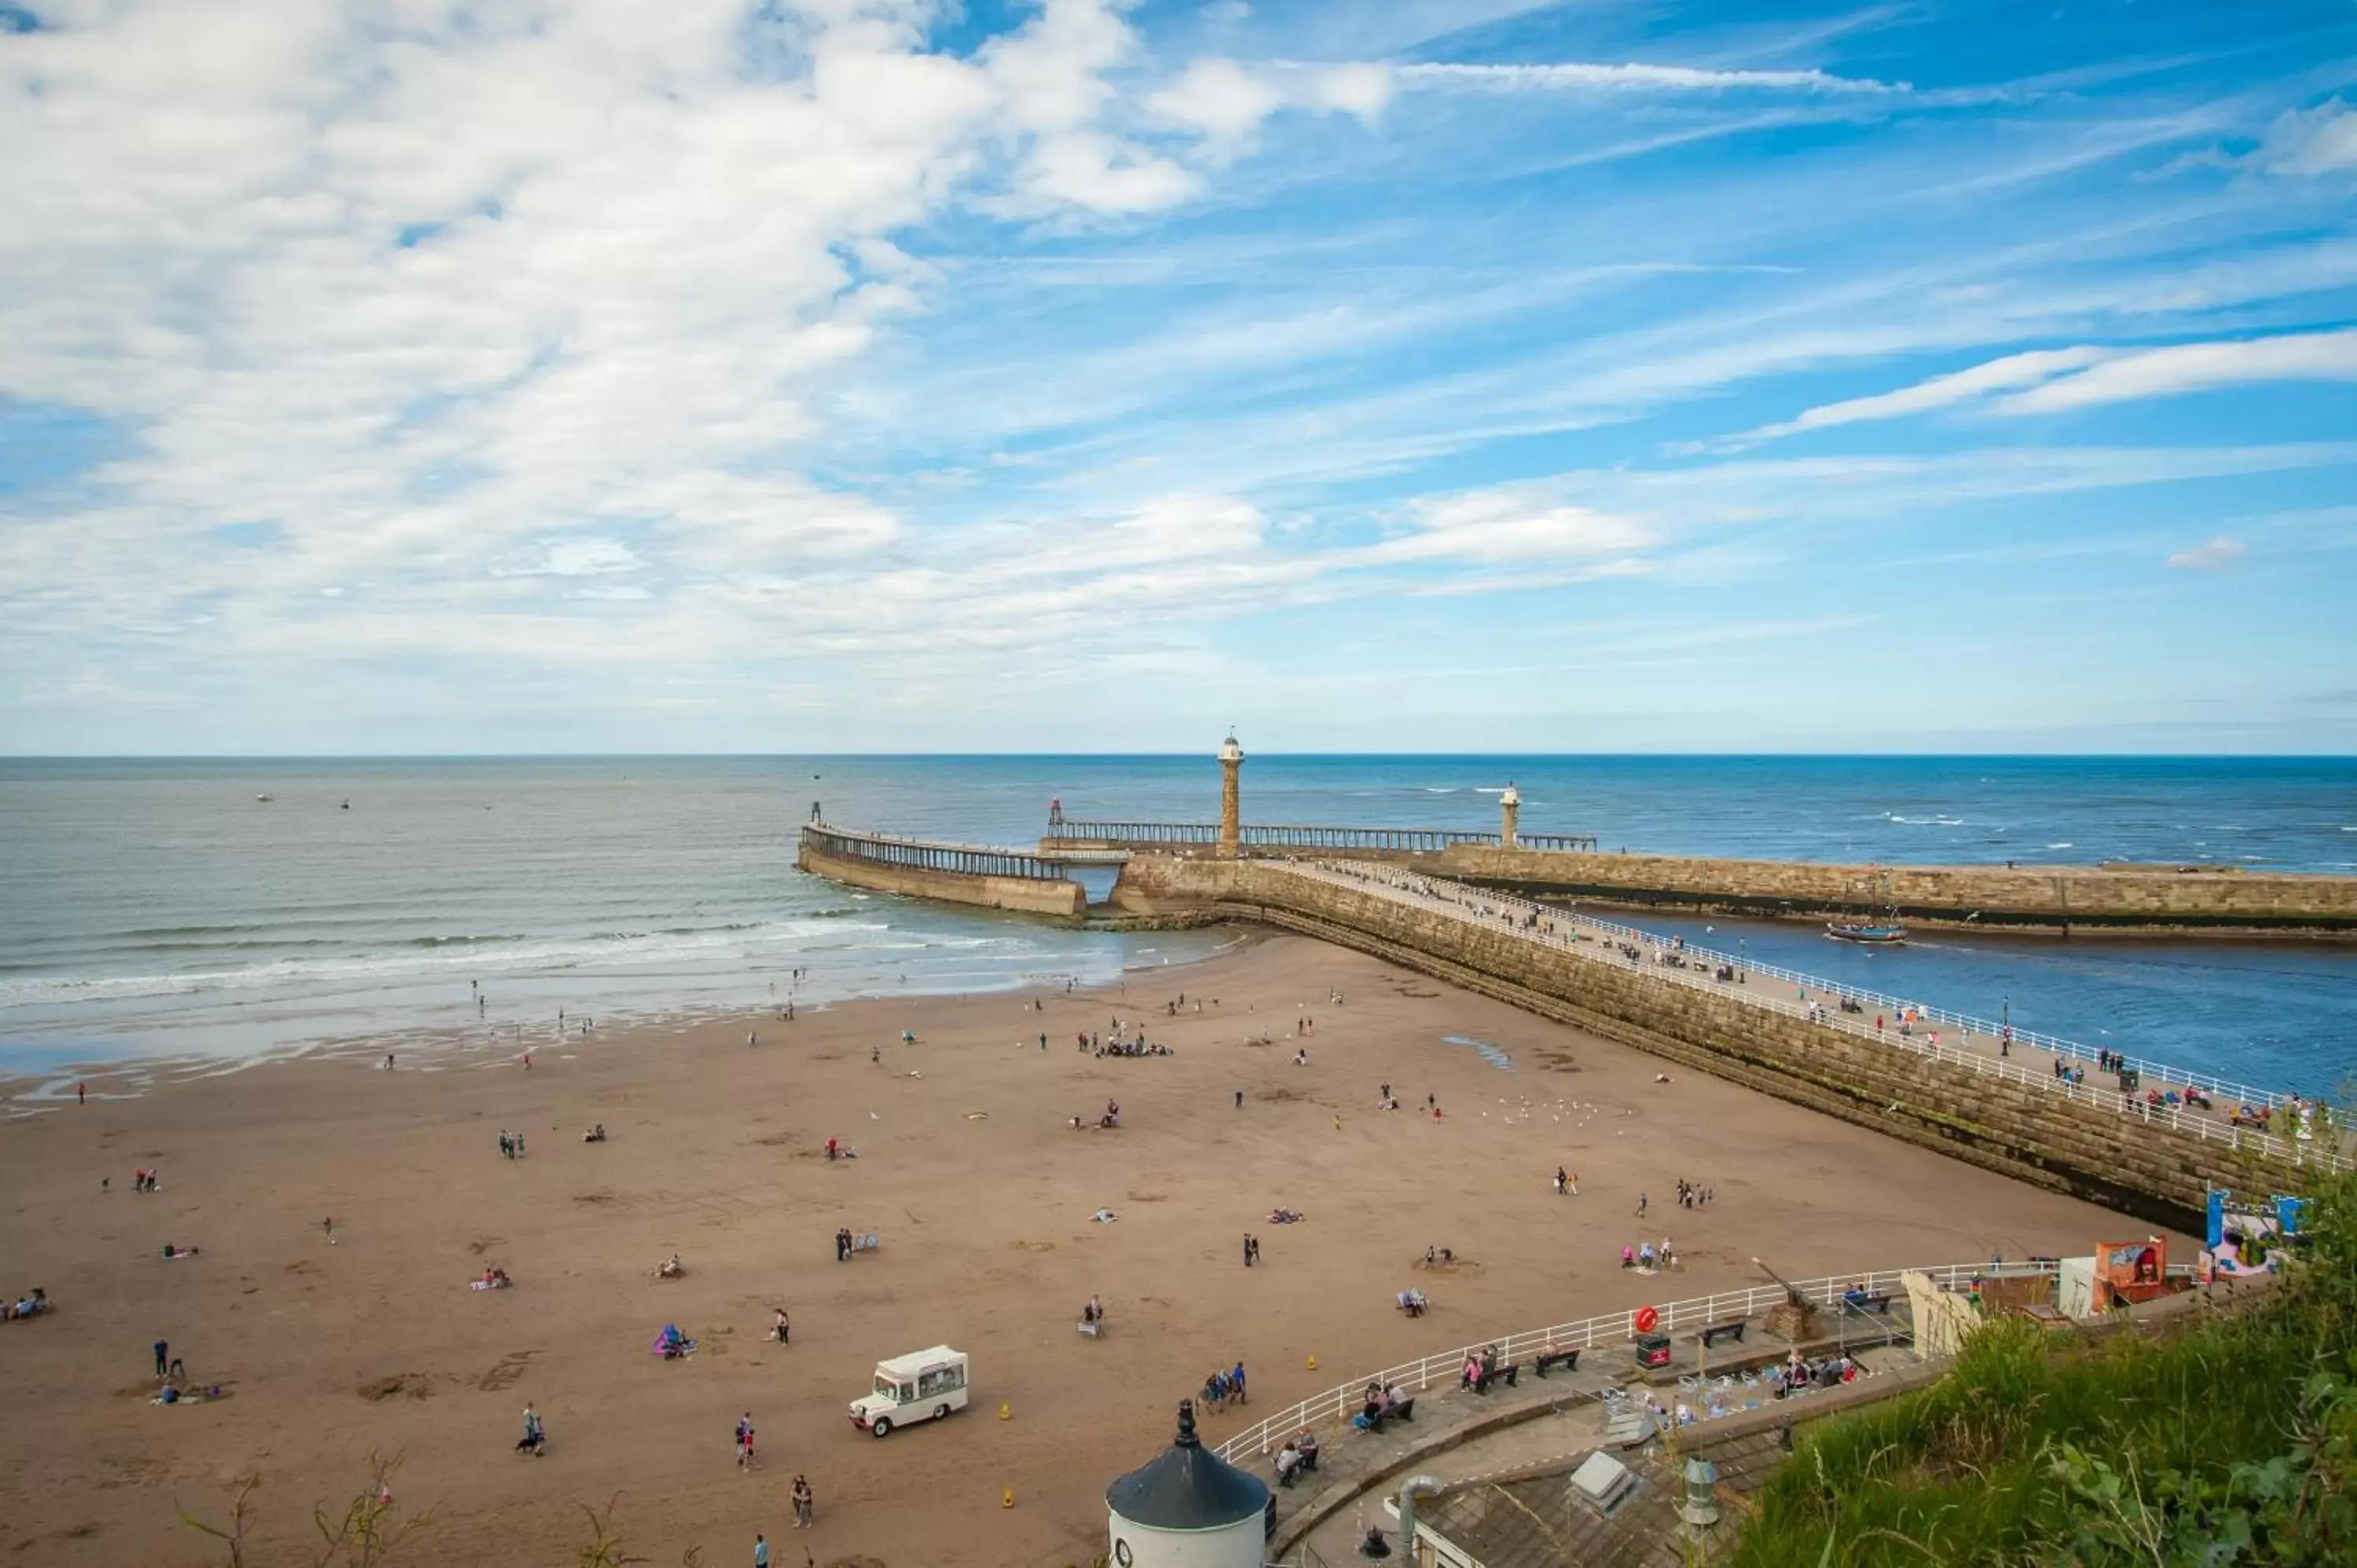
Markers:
<point>1232,770</point>
<point>1509,811</point>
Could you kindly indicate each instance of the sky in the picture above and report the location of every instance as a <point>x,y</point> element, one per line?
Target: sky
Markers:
<point>1370,375</point>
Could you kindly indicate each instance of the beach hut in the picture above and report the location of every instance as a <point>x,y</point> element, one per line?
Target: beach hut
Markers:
<point>1187,1508</point>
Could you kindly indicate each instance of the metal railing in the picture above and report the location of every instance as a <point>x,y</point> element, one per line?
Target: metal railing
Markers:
<point>929,854</point>
<point>1303,835</point>
<point>1606,1328</point>
<point>1543,925</point>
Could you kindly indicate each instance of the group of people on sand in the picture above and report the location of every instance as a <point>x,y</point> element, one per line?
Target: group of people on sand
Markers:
<point>670,1267</point>
<point>1225,1387</point>
<point>1646,1258</point>
<point>596,1134</point>
<point>145,1180</point>
<point>29,1305</point>
<point>510,1144</point>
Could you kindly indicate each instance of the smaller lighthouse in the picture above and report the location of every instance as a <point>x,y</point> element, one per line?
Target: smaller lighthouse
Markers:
<point>1509,813</point>
<point>1231,808</point>
<point>1187,1508</point>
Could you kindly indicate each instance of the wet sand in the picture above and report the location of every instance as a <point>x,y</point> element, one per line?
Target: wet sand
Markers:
<point>982,1196</point>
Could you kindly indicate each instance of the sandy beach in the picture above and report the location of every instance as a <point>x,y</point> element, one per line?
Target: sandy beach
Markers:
<point>982,1196</point>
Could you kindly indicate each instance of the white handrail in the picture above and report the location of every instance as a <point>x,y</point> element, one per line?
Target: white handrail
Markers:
<point>1606,1328</point>
<point>1478,906</point>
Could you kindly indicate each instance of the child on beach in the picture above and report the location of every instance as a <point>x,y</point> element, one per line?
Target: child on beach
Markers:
<point>803,1502</point>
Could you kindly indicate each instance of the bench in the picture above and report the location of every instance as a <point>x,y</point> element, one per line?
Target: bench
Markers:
<point>1718,1331</point>
<point>1508,1375</point>
<point>1855,1301</point>
<point>1567,1360</point>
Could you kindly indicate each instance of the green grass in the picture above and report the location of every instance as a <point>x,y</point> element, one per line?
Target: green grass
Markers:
<point>2231,1440</point>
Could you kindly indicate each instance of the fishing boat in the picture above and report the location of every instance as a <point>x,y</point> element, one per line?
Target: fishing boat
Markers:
<point>1868,927</point>
<point>263,799</point>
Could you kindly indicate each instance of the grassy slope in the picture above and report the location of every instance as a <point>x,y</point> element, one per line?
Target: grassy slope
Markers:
<point>2229,1442</point>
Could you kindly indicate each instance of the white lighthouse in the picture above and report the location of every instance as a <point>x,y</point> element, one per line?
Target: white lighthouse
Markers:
<point>1187,1508</point>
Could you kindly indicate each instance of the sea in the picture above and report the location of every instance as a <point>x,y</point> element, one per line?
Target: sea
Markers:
<point>230,910</point>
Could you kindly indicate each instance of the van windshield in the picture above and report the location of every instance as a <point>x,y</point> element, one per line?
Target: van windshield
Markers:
<point>887,1387</point>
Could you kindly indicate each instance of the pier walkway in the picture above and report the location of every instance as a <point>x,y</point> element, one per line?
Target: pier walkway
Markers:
<point>1975,1044</point>
<point>1082,840</point>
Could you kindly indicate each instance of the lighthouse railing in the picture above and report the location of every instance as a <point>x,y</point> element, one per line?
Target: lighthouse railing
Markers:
<point>1610,1329</point>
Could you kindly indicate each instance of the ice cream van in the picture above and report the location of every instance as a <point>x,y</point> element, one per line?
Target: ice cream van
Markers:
<point>920,1386</point>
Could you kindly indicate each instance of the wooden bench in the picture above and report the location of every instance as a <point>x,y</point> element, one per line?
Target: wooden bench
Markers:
<point>1567,1360</point>
<point>1718,1331</point>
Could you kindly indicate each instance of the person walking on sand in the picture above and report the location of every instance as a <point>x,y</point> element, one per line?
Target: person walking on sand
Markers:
<point>804,1502</point>
<point>1640,1205</point>
<point>163,1356</point>
<point>81,1094</point>
<point>760,1551</point>
<point>329,1227</point>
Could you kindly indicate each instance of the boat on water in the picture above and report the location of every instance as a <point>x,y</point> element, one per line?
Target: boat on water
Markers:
<point>263,799</point>
<point>1866,926</point>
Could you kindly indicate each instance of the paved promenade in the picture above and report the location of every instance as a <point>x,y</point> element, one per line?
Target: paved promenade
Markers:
<point>1969,1045</point>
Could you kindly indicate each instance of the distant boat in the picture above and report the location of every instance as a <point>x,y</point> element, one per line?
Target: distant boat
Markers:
<point>1868,927</point>
<point>347,806</point>
<point>263,799</point>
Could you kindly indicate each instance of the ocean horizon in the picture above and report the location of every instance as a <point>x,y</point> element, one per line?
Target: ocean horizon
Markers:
<point>154,907</point>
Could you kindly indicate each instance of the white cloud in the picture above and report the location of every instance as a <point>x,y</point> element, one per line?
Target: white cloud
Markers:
<point>2322,140</point>
<point>1352,89</point>
<point>2195,367</point>
<point>1220,101</point>
<point>2215,556</point>
<point>1582,77</point>
<point>1939,391</point>
<point>1508,525</point>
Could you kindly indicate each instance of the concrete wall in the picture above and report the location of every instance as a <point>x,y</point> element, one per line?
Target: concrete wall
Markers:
<point>1022,894</point>
<point>2024,1132</point>
<point>2048,897</point>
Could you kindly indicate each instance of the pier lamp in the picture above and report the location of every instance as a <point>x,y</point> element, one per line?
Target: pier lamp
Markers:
<point>1742,970</point>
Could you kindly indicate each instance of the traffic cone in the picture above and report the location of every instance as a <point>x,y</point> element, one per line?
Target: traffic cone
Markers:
<point>1007,1498</point>
<point>1005,1411</point>
<point>1313,1363</point>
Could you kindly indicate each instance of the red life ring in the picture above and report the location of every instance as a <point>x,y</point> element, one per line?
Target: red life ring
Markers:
<point>1647,1320</point>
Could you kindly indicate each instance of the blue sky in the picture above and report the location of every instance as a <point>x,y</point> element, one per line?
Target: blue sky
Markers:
<point>872,374</point>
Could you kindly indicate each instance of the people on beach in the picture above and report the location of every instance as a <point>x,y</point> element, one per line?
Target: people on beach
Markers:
<point>781,1329</point>
<point>804,1502</point>
<point>163,1356</point>
<point>535,1436</point>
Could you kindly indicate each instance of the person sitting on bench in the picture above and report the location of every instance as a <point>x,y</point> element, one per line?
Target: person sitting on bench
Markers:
<point>1306,1444</point>
<point>1289,1463</point>
<point>1549,1356</point>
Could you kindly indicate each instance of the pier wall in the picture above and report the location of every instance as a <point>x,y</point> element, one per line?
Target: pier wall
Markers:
<point>2119,1161</point>
<point>2057,898</point>
<point>1028,896</point>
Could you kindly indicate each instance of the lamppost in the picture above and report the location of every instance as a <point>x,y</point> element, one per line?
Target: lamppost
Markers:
<point>1742,973</point>
<point>2004,1040</point>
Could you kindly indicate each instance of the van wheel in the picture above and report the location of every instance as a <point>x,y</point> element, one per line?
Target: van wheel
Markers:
<point>940,1411</point>
<point>880,1426</point>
